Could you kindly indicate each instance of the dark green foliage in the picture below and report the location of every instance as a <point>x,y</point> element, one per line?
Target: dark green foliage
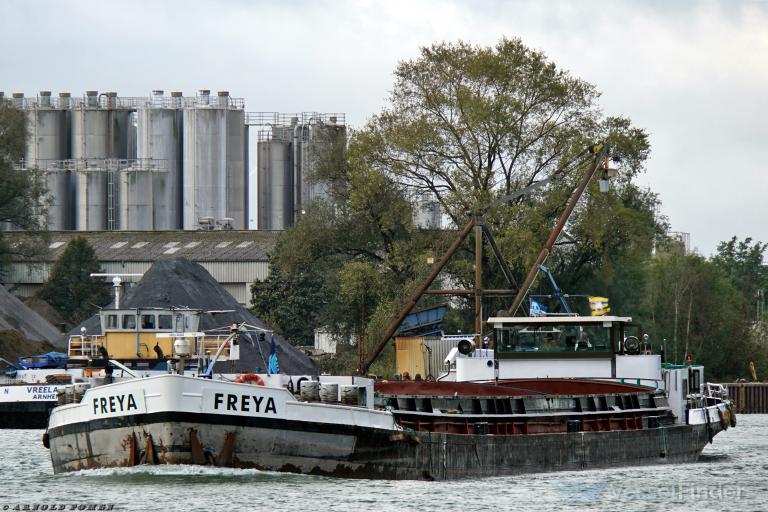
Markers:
<point>20,191</point>
<point>742,263</point>
<point>692,307</point>
<point>70,288</point>
<point>291,303</point>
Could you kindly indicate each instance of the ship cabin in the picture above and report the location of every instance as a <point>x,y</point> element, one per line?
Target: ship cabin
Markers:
<point>146,336</point>
<point>601,347</point>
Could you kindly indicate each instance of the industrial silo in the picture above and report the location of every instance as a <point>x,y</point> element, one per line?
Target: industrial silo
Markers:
<point>214,172</point>
<point>237,163</point>
<point>427,213</point>
<point>320,147</point>
<point>100,130</point>
<point>274,184</point>
<point>136,197</point>
<point>160,124</point>
<point>48,143</point>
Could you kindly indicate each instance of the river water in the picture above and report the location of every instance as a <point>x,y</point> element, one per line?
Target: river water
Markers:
<point>732,475</point>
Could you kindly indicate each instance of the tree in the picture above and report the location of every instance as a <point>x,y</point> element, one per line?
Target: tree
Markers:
<point>742,264</point>
<point>70,288</point>
<point>468,125</point>
<point>292,303</point>
<point>692,305</point>
<point>21,205</point>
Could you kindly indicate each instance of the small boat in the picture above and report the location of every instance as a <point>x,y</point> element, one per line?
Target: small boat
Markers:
<point>47,360</point>
<point>560,393</point>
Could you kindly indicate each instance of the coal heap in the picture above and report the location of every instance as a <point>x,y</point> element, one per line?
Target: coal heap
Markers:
<point>182,283</point>
<point>16,316</point>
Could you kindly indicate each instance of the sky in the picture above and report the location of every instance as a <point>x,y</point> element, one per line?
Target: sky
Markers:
<point>693,74</point>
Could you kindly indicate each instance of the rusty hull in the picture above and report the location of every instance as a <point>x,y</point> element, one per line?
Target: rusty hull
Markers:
<point>357,452</point>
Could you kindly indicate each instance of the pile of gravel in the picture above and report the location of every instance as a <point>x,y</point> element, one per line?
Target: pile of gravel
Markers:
<point>16,316</point>
<point>182,283</point>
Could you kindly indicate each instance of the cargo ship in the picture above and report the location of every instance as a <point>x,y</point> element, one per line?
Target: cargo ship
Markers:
<point>553,393</point>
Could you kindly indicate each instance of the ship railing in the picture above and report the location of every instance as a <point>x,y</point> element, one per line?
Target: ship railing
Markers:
<point>716,390</point>
<point>81,346</point>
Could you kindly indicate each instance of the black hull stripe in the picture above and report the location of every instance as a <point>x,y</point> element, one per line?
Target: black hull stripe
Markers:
<point>137,420</point>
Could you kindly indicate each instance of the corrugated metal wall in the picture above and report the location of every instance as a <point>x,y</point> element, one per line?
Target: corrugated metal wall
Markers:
<point>236,277</point>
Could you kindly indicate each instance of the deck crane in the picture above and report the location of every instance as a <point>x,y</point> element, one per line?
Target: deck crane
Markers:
<point>599,152</point>
<point>556,291</point>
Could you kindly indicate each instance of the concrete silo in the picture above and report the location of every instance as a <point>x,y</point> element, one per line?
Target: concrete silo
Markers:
<point>323,140</point>
<point>427,213</point>
<point>160,125</point>
<point>135,184</point>
<point>214,169</point>
<point>290,154</point>
<point>274,180</point>
<point>237,163</point>
<point>100,130</point>
<point>48,143</point>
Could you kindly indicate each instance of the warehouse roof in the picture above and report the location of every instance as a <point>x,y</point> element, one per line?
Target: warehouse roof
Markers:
<point>155,245</point>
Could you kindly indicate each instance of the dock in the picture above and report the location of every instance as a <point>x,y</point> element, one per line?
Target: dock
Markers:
<point>749,397</point>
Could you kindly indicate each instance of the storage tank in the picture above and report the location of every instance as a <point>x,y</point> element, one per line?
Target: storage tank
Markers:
<point>214,162</point>
<point>159,125</point>
<point>317,149</point>
<point>136,198</point>
<point>427,213</point>
<point>48,141</point>
<point>100,129</point>
<point>274,184</point>
<point>237,164</point>
<point>205,162</point>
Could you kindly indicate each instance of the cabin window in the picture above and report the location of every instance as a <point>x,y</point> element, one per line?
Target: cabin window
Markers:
<point>112,322</point>
<point>129,321</point>
<point>147,321</point>
<point>553,338</point>
<point>164,322</point>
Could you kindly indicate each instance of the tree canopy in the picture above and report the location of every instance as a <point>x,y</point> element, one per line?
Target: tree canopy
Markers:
<point>466,125</point>
<point>70,289</point>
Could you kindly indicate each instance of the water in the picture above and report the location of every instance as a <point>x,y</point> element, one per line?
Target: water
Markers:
<point>732,475</point>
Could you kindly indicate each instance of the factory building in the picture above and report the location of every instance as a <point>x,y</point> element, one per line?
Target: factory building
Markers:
<point>234,258</point>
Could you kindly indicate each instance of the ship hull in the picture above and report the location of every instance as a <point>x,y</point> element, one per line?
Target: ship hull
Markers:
<point>358,452</point>
<point>25,415</point>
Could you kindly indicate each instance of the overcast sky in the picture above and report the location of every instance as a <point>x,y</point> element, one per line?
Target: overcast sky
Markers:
<point>693,74</point>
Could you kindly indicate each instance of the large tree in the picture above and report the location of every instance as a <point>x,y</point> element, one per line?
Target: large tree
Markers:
<point>21,191</point>
<point>466,125</point>
<point>70,288</point>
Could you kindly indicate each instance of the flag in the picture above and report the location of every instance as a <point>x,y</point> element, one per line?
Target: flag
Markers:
<point>273,367</point>
<point>537,309</point>
<point>599,306</point>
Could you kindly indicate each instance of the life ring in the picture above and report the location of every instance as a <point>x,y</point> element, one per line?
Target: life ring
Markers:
<point>250,378</point>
